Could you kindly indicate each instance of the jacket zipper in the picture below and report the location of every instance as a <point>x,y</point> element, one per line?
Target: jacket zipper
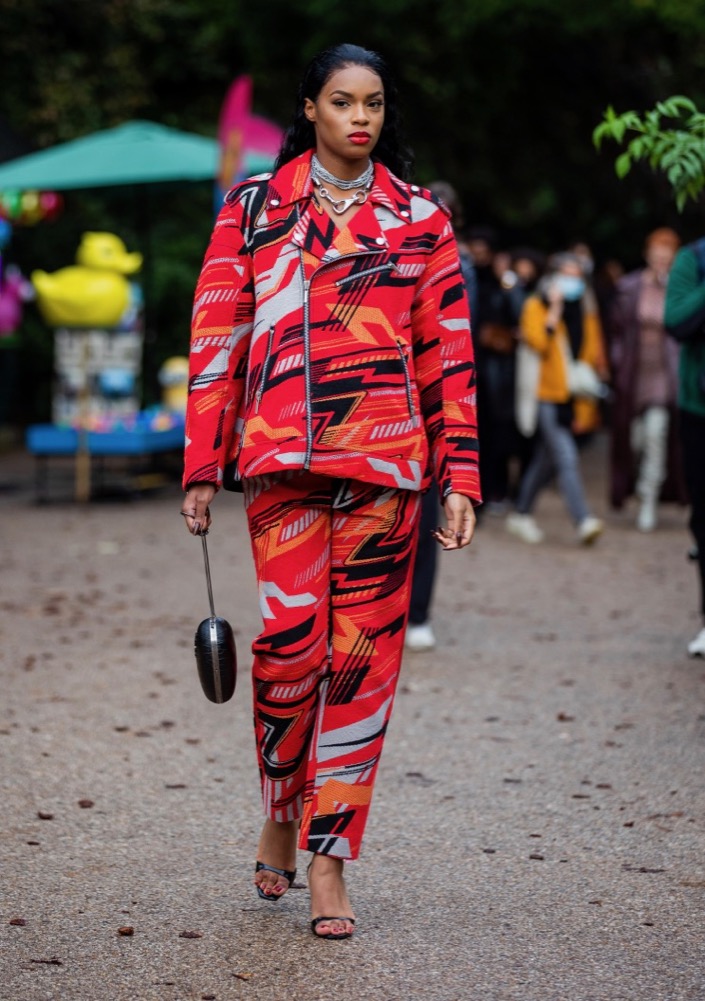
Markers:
<point>389,266</point>
<point>265,367</point>
<point>407,379</point>
<point>307,370</point>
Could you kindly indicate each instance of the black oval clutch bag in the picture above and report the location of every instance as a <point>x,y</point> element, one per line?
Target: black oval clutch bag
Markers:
<point>214,646</point>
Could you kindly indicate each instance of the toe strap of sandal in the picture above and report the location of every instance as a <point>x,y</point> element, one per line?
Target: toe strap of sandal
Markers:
<point>286,873</point>
<point>317,921</point>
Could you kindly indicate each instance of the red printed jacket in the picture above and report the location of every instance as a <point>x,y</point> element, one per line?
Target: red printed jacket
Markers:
<point>344,352</point>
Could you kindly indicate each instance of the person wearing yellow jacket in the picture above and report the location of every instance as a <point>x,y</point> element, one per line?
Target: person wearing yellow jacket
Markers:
<point>557,322</point>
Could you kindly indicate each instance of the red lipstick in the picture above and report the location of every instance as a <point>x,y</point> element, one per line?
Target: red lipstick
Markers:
<point>360,138</point>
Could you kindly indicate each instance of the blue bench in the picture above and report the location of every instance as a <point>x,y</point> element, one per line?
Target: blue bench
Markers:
<point>47,440</point>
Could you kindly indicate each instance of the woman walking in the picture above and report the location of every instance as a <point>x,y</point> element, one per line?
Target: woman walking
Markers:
<point>332,377</point>
<point>557,324</point>
<point>645,454</point>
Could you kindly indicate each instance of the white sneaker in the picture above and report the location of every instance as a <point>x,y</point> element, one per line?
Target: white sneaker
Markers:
<point>646,519</point>
<point>419,638</point>
<point>525,528</point>
<point>697,647</point>
<point>589,529</point>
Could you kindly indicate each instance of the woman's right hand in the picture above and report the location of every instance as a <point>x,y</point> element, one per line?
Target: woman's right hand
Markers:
<point>196,507</point>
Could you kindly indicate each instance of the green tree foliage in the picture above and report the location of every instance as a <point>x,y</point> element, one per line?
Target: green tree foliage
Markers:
<point>677,151</point>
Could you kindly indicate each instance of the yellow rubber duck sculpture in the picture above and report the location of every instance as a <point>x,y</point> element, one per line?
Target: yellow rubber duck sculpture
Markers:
<point>95,292</point>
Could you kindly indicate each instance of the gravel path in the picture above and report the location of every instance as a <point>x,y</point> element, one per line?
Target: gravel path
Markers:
<point>537,832</point>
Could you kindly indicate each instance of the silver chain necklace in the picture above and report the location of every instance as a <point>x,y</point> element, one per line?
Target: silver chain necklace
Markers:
<point>363,183</point>
<point>319,174</point>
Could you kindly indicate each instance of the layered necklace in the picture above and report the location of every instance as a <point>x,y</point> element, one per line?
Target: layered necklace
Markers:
<point>363,183</point>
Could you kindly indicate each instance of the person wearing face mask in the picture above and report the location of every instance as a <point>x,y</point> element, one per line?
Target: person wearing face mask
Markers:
<point>645,454</point>
<point>557,321</point>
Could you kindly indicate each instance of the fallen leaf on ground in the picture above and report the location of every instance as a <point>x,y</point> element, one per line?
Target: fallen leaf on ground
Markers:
<point>641,868</point>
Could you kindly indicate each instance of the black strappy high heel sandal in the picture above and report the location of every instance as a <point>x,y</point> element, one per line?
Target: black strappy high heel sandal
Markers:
<point>331,936</point>
<point>286,873</point>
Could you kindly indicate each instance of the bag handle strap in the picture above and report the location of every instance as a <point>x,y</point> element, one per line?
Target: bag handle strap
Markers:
<point>208,572</point>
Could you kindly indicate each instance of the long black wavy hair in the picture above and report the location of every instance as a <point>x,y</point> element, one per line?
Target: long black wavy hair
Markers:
<point>391,150</point>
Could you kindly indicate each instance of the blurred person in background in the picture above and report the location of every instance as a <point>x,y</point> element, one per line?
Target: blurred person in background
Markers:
<point>559,321</point>
<point>685,321</point>
<point>644,446</point>
<point>494,335</point>
<point>419,632</point>
<point>481,243</point>
<point>583,251</point>
<point>586,258</point>
<point>605,283</point>
<point>526,266</point>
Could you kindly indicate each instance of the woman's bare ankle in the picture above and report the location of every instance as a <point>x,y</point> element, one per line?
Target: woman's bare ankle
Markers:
<point>277,843</point>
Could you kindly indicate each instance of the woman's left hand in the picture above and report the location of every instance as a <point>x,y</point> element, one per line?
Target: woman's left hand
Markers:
<point>461,519</point>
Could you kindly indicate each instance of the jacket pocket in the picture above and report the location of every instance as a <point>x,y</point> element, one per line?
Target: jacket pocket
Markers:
<point>266,364</point>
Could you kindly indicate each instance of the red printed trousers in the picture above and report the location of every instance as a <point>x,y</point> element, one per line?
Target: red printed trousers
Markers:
<point>333,560</point>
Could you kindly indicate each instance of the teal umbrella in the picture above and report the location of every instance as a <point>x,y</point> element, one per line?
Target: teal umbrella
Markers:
<point>134,153</point>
